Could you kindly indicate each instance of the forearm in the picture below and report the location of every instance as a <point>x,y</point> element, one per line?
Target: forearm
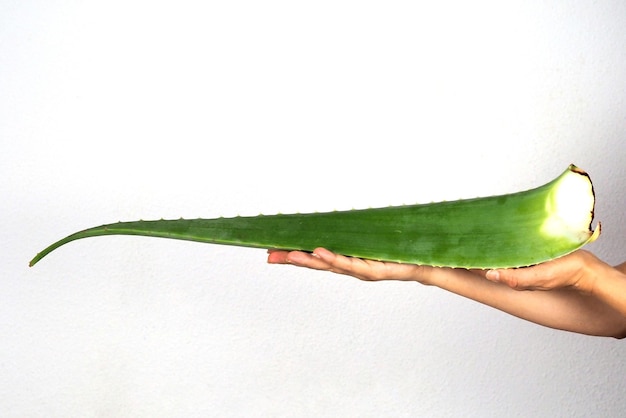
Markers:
<point>609,285</point>
<point>621,267</point>
<point>565,309</point>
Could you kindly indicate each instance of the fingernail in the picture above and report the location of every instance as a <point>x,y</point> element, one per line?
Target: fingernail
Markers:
<point>322,253</point>
<point>493,275</point>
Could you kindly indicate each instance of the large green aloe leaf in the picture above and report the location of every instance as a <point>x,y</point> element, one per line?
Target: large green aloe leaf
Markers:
<point>511,230</point>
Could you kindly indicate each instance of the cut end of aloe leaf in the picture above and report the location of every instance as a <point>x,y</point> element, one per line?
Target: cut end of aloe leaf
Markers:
<point>570,208</point>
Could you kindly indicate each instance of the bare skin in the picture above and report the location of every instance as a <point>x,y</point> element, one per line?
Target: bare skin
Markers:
<point>578,292</point>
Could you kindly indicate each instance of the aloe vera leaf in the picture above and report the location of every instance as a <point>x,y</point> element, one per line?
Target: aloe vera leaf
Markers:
<point>511,230</point>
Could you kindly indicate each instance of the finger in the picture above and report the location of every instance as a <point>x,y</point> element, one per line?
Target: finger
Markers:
<point>344,265</point>
<point>370,270</point>
<point>277,256</point>
<point>296,258</point>
<point>565,271</point>
<point>538,277</point>
<point>503,276</point>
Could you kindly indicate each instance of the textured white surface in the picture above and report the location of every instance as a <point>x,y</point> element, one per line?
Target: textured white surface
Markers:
<point>127,110</point>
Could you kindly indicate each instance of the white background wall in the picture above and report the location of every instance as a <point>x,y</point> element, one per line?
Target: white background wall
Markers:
<point>142,109</point>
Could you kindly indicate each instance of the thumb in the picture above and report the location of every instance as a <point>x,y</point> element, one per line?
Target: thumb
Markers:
<point>507,276</point>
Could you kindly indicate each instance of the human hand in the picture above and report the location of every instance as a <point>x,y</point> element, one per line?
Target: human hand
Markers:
<point>578,270</point>
<point>598,308</point>
<point>369,270</point>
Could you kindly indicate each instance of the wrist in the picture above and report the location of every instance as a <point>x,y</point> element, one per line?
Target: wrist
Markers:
<point>597,275</point>
<point>590,270</point>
